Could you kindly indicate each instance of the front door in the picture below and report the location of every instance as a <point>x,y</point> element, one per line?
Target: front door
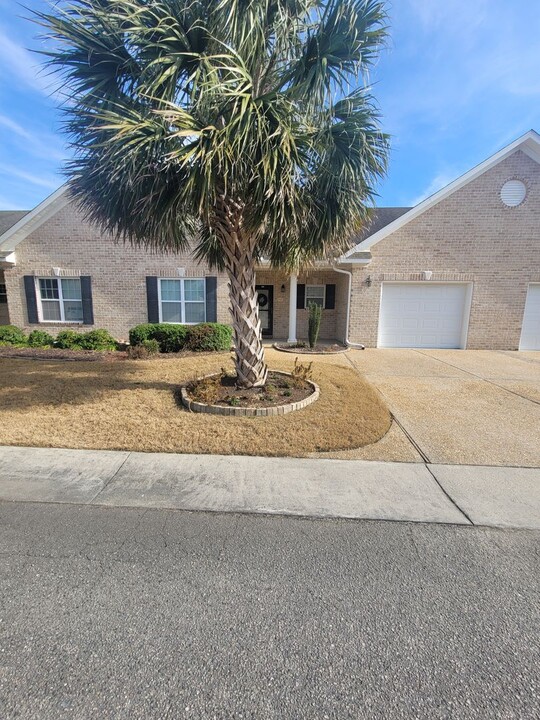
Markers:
<point>265,298</point>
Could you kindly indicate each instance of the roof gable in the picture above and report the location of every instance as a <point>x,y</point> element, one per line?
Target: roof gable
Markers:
<point>32,220</point>
<point>528,143</point>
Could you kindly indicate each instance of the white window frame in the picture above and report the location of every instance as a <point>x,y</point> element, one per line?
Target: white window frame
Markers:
<point>182,300</point>
<point>308,300</point>
<point>60,300</point>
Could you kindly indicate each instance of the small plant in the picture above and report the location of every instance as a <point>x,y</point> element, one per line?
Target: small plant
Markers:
<point>146,349</point>
<point>12,335</point>
<point>314,323</point>
<point>286,393</point>
<point>40,339</point>
<point>207,389</point>
<point>234,401</point>
<point>301,372</point>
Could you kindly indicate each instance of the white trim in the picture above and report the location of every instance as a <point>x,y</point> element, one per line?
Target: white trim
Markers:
<point>293,291</point>
<point>39,302</point>
<point>34,219</point>
<point>182,300</point>
<point>466,308</point>
<point>313,285</point>
<point>520,346</point>
<point>528,143</point>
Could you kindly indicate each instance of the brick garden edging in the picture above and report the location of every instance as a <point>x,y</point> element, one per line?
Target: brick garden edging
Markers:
<point>199,407</point>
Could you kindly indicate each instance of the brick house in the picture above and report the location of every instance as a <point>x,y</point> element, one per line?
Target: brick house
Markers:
<point>460,269</point>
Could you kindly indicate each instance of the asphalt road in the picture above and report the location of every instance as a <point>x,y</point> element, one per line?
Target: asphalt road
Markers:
<point>154,614</point>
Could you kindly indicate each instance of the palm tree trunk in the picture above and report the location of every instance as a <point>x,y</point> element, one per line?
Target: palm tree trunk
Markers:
<point>251,369</point>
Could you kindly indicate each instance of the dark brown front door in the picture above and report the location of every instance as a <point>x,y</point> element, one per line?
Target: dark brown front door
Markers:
<point>265,298</point>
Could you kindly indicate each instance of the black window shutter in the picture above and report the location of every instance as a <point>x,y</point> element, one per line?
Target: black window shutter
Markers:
<point>330,297</point>
<point>300,297</point>
<point>31,300</point>
<point>86,295</point>
<point>152,300</point>
<point>211,299</point>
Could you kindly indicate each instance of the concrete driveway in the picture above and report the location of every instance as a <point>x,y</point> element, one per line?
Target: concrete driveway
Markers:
<point>471,407</point>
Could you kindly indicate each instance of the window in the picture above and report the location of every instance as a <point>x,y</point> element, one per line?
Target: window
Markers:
<point>3,294</point>
<point>61,299</point>
<point>182,301</point>
<point>315,295</point>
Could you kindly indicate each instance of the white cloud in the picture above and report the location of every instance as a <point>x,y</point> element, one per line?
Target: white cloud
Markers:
<point>34,141</point>
<point>442,179</point>
<point>50,183</point>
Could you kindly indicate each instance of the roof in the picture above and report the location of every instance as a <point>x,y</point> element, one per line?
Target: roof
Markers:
<point>528,143</point>
<point>8,218</point>
<point>380,217</point>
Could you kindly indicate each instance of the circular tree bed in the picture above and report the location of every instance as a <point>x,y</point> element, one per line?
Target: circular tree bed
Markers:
<point>304,349</point>
<point>219,394</point>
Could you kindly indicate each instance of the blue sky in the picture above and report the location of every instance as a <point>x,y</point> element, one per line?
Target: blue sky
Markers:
<point>459,80</point>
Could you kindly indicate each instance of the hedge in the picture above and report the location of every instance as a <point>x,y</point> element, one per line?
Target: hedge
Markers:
<point>92,340</point>
<point>173,338</point>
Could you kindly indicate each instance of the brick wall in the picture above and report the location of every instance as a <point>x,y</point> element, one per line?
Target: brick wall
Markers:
<point>118,272</point>
<point>470,236</point>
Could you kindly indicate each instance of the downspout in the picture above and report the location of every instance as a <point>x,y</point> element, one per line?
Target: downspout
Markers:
<point>348,343</point>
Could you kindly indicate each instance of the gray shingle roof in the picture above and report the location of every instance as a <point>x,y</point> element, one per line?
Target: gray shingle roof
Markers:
<point>8,218</point>
<point>380,217</point>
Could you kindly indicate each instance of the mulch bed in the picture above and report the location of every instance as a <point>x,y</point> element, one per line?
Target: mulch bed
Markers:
<point>306,350</point>
<point>222,390</point>
<point>59,354</point>
<point>28,353</point>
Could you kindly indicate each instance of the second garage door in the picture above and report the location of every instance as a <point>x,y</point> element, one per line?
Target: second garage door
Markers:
<point>424,315</point>
<point>530,332</point>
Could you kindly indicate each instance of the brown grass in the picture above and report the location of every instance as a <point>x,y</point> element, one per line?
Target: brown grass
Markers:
<point>131,405</point>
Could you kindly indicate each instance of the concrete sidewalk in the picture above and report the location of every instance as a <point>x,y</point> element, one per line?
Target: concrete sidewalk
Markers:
<point>495,496</point>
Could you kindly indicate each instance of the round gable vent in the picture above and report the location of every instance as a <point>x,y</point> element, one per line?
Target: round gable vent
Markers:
<point>513,193</point>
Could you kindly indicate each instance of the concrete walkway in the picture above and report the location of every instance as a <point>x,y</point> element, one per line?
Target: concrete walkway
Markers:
<point>495,496</point>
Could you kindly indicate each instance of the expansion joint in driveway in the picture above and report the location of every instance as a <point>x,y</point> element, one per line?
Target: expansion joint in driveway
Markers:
<point>479,377</point>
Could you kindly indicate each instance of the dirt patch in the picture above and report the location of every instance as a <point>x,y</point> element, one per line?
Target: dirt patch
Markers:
<point>132,405</point>
<point>222,390</point>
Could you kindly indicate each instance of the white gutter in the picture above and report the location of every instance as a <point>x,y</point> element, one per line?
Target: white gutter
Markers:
<point>347,341</point>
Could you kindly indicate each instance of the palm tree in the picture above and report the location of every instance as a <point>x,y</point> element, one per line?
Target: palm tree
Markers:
<point>244,126</point>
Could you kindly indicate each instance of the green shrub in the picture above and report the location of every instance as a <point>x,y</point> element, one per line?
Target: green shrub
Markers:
<point>12,335</point>
<point>173,338</point>
<point>69,340</point>
<point>209,337</point>
<point>314,323</point>
<point>139,333</point>
<point>91,340</point>
<point>40,339</point>
<point>97,340</point>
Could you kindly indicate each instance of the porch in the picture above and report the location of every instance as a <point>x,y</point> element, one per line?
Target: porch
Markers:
<point>284,299</point>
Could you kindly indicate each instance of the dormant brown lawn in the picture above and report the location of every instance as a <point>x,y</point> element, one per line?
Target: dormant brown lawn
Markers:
<point>132,405</point>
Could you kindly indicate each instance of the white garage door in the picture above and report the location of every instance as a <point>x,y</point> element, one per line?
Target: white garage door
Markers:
<point>423,315</point>
<point>530,330</point>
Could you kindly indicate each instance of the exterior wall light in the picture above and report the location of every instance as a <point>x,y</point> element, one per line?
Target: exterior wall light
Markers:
<point>368,281</point>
